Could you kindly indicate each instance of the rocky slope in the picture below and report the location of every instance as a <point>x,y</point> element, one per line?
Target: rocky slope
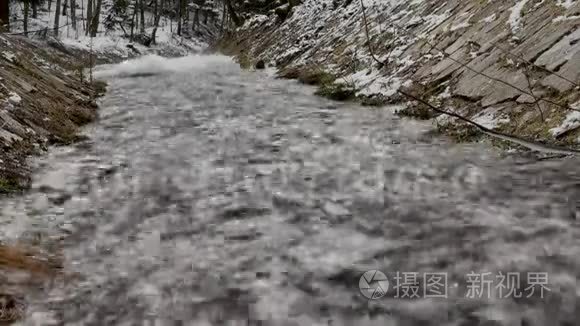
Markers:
<point>510,65</point>
<point>44,98</point>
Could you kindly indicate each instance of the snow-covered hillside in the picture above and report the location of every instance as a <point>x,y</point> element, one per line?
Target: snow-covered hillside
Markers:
<point>514,62</point>
<point>112,41</point>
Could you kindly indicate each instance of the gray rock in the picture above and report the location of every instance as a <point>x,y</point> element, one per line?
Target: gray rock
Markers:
<point>11,125</point>
<point>9,137</point>
<point>570,71</point>
<point>68,228</point>
<point>335,210</point>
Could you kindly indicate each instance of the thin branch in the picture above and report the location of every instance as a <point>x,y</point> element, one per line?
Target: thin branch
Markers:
<point>366,25</point>
<point>511,138</point>
<point>536,100</point>
<point>439,110</point>
<point>522,59</point>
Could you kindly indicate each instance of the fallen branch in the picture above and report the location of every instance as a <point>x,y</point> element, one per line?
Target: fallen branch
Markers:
<point>510,138</point>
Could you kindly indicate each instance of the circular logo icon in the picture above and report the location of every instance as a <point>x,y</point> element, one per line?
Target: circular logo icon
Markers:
<point>373,284</point>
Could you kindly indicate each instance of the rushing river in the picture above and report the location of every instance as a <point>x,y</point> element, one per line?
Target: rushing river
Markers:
<point>207,195</point>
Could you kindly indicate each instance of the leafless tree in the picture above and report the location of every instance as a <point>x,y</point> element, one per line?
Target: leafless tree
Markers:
<point>158,9</point>
<point>142,10</point>
<point>89,16</point>
<point>196,18</point>
<point>181,14</point>
<point>35,9</point>
<point>64,7</point>
<point>224,14</point>
<point>26,10</point>
<point>4,15</point>
<point>135,6</point>
<point>95,19</point>
<point>57,17</point>
<point>73,13</point>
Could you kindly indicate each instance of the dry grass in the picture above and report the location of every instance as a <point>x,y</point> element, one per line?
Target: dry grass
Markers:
<point>22,270</point>
<point>12,308</point>
<point>54,103</point>
<point>27,260</point>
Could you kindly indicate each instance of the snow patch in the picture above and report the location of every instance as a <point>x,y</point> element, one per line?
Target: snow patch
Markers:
<point>571,122</point>
<point>392,3</point>
<point>9,56</point>
<point>459,26</point>
<point>256,20</point>
<point>14,98</point>
<point>446,94</point>
<point>372,83</point>
<point>565,18</point>
<point>489,19</point>
<point>489,119</point>
<point>516,16</point>
<point>435,20</point>
<point>565,3</point>
<point>464,24</point>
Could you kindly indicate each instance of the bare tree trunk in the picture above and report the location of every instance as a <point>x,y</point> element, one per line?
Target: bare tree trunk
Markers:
<point>4,15</point>
<point>89,16</point>
<point>83,14</point>
<point>35,9</point>
<point>158,10</point>
<point>185,16</point>
<point>136,15</point>
<point>142,5</point>
<point>195,19</point>
<point>227,20</point>
<point>26,10</point>
<point>57,17</point>
<point>135,6</point>
<point>73,13</point>
<point>233,16</point>
<point>179,16</point>
<point>96,17</point>
<point>64,7</point>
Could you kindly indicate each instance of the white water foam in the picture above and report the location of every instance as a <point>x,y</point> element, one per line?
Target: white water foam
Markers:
<point>154,65</point>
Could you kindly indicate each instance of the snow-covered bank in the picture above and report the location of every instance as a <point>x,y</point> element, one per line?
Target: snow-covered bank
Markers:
<point>44,98</point>
<point>515,63</point>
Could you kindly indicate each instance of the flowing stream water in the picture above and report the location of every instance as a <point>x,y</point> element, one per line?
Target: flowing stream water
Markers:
<point>208,195</point>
